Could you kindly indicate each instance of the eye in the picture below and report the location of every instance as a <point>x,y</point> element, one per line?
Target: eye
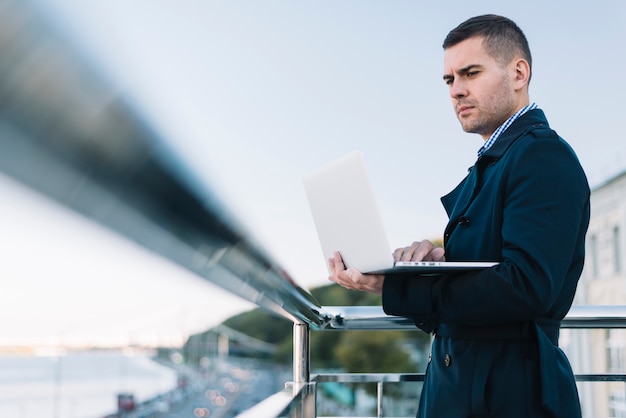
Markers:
<point>448,80</point>
<point>471,74</point>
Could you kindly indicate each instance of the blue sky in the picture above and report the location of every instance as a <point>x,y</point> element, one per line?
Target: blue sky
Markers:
<point>254,95</point>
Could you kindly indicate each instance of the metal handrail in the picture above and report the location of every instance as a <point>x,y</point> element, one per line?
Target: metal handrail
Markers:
<point>419,377</point>
<point>373,318</point>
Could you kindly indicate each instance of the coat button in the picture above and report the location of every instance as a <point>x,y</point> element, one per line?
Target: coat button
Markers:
<point>447,360</point>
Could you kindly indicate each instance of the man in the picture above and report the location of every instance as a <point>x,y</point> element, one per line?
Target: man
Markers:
<point>525,203</point>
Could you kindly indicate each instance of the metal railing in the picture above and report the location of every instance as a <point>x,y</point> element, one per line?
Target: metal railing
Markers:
<point>66,133</point>
<point>373,318</point>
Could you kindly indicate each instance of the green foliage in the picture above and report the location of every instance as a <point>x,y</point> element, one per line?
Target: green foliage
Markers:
<point>262,325</point>
<point>285,351</point>
<point>374,352</point>
<point>322,353</point>
<point>334,295</point>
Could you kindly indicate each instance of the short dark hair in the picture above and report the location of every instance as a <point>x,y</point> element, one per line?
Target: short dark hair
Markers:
<point>503,39</point>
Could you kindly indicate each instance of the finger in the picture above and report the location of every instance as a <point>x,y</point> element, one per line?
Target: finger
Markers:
<point>339,274</point>
<point>410,253</point>
<point>334,268</point>
<point>331,269</point>
<point>423,251</point>
<point>437,254</point>
<point>338,261</point>
<point>397,254</point>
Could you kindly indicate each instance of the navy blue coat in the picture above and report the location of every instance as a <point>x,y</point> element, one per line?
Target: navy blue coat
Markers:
<point>525,203</point>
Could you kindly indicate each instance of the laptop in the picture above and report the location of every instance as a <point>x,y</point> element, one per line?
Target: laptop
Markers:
<point>347,219</point>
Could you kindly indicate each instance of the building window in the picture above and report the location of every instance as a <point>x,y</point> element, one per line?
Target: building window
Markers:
<point>617,404</point>
<point>593,244</point>
<point>616,350</point>
<point>617,262</point>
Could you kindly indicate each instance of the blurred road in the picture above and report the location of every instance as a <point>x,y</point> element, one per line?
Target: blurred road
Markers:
<point>222,389</point>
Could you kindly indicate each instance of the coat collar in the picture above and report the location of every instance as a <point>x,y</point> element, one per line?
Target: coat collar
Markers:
<point>463,194</point>
<point>530,120</point>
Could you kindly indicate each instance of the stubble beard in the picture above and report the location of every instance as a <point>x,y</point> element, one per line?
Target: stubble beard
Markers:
<point>482,124</point>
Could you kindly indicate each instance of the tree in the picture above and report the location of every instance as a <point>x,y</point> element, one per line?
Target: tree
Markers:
<point>374,352</point>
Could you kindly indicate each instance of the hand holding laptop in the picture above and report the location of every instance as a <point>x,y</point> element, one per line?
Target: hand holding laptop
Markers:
<point>352,278</point>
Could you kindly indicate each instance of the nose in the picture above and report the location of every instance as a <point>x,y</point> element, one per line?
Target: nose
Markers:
<point>458,89</point>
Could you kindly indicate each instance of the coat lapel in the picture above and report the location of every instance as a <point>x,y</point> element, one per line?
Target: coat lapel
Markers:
<point>458,200</point>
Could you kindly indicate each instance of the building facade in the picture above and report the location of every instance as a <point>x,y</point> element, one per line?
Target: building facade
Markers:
<point>603,282</point>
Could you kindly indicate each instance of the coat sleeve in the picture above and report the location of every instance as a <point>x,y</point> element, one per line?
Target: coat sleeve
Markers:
<point>543,216</point>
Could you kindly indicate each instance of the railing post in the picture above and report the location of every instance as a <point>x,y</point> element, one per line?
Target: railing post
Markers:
<point>301,358</point>
<point>379,399</point>
<point>302,372</point>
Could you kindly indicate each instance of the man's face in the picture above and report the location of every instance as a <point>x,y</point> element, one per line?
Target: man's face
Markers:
<point>481,89</point>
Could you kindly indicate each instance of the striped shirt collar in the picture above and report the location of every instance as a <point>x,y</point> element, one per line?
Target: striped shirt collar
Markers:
<point>496,134</point>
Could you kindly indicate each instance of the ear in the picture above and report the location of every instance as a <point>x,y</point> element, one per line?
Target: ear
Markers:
<point>521,70</point>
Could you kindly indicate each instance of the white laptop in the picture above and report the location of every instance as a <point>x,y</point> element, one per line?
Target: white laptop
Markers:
<point>348,220</point>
